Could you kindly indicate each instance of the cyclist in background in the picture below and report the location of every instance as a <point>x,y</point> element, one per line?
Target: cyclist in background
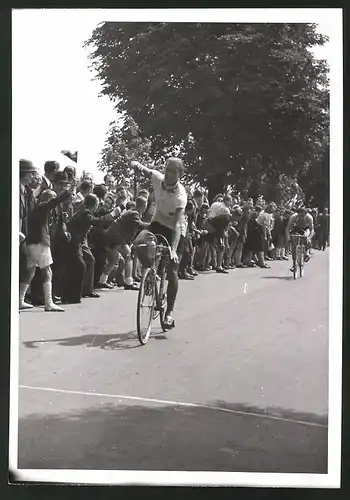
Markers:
<point>301,222</point>
<point>168,219</point>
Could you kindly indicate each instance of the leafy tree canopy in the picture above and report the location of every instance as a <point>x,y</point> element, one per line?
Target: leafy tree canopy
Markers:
<point>241,102</point>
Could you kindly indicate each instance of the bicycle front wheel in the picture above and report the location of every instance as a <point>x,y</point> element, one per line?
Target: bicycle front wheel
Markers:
<point>162,300</point>
<point>145,306</point>
<point>301,264</point>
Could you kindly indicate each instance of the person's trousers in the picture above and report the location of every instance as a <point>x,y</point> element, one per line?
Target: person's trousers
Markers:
<point>75,269</point>
<point>88,281</point>
<point>99,254</point>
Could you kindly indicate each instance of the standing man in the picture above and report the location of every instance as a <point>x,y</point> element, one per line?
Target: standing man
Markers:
<point>168,218</point>
<point>50,169</point>
<point>26,204</point>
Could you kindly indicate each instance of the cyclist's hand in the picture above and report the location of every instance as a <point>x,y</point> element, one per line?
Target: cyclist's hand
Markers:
<point>174,256</point>
<point>135,164</point>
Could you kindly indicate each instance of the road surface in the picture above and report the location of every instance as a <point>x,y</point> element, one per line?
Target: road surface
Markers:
<point>241,383</point>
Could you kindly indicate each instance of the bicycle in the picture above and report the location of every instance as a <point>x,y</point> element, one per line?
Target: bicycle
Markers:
<point>298,253</point>
<point>152,296</point>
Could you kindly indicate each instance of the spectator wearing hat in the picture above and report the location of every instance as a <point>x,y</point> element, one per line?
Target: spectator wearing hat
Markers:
<point>27,173</point>
<point>58,229</point>
<point>38,247</point>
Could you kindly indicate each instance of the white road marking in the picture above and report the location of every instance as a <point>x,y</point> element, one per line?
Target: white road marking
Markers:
<point>245,288</point>
<point>172,403</point>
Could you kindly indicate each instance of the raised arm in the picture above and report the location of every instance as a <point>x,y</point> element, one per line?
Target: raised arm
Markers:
<point>138,167</point>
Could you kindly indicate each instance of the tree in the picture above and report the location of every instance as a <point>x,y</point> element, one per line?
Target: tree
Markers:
<point>124,144</point>
<point>240,101</point>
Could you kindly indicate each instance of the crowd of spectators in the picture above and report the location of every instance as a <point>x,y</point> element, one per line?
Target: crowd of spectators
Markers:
<point>76,237</point>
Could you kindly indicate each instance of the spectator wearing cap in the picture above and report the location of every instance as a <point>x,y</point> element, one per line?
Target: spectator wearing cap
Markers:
<point>60,215</point>
<point>38,247</point>
<point>27,172</point>
<point>50,169</point>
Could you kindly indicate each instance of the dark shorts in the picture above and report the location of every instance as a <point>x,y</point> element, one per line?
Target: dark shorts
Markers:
<point>157,228</point>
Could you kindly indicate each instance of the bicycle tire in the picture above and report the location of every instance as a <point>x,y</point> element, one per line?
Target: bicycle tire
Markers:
<point>301,264</point>
<point>161,296</point>
<point>147,289</point>
<point>295,266</point>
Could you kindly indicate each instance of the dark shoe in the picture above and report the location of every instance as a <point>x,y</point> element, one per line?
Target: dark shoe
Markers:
<point>186,276</point>
<point>264,266</point>
<point>285,258</point>
<point>92,295</point>
<point>241,266</point>
<point>131,287</point>
<point>168,322</point>
<point>104,285</point>
<point>192,272</point>
<point>221,270</point>
<point>68,301</point>
<point>307,258</point>
<point>137,279</point>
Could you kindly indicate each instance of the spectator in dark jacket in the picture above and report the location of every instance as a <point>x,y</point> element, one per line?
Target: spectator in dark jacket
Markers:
<point>38,246</point>
<point>120,236</point>
<point>78,273</point>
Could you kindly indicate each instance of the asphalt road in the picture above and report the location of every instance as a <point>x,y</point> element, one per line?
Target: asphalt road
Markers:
<point>241,383</point>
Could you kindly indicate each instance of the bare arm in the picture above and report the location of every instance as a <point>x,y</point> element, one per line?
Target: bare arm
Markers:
<point>177,229</point>
<point>141,168</point>
<point>289,226</point>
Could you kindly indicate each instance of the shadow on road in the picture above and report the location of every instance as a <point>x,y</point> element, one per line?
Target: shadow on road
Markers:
<point>126,340</point>
<point>164,437</point>
<point>286,278</point>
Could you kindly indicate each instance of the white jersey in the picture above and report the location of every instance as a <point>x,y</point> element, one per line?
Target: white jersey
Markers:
<point>167,202</point>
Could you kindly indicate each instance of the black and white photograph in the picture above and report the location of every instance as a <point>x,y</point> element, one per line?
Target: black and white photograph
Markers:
<point>176,274</point>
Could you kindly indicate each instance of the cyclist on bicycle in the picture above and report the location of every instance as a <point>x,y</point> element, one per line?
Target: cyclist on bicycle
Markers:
<point>301,222</point>
<point>168,219</point>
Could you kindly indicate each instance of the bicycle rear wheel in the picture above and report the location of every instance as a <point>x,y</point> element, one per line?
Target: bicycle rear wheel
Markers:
<point>145,306</point>
<point>295,264</point>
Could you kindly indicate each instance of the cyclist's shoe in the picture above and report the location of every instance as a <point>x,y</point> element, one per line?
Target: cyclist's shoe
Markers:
<point>131,287</point>
<point>168,321</point>
<point>306,258</point>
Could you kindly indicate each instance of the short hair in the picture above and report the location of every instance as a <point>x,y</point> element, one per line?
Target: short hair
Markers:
<point>197,193</point>
<point>141,200</point>
<point>100,191</point>
<point>47,195</point>
<point>120,188</point>
<point>228,197</point>
<point>70,171</point>
<point>90,200</point>
<point>85,186</point>
<point>178,164</point>
<point>106,177</point>
<point>51,166</point>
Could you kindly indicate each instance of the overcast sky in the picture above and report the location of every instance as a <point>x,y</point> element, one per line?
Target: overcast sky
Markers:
<point>55,101</point>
